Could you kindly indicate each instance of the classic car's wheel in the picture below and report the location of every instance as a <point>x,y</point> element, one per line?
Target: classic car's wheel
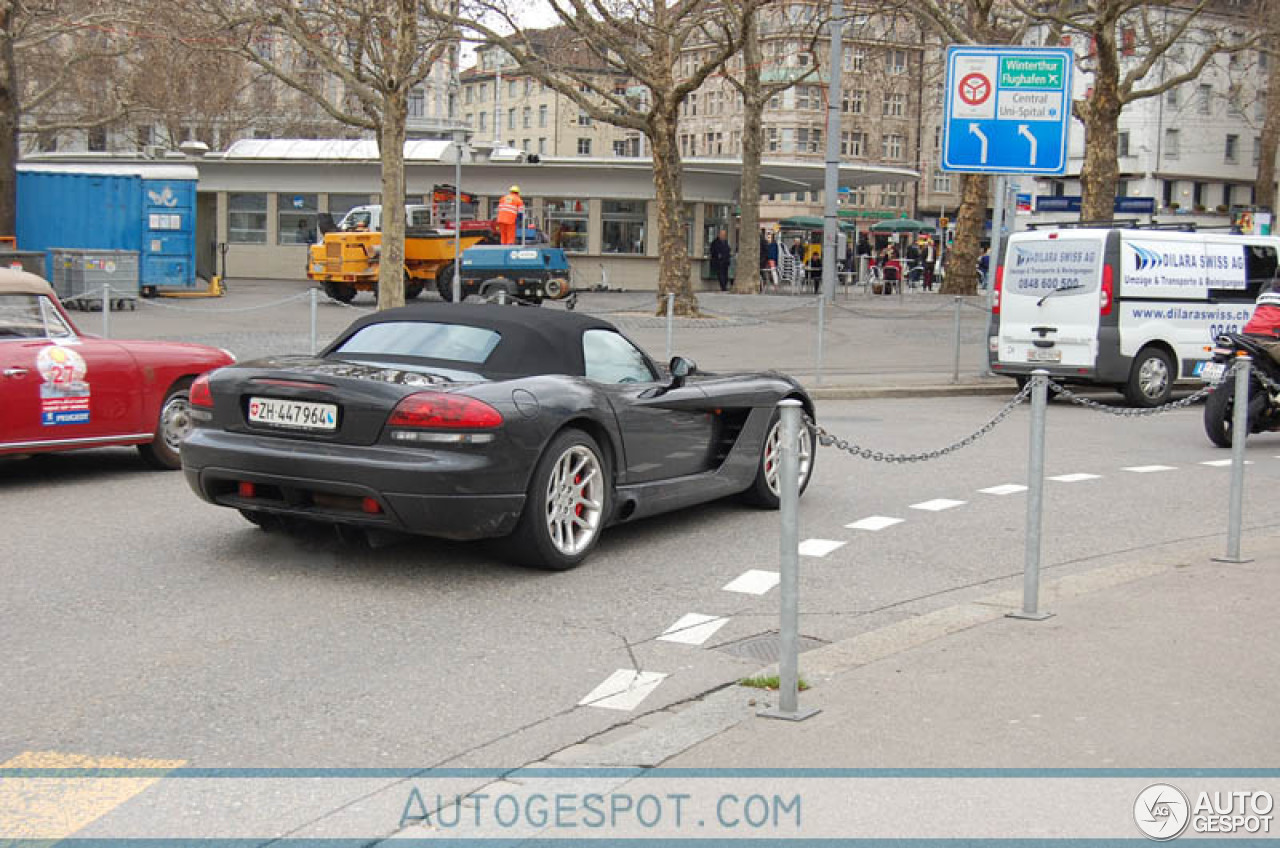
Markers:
<point>164,451</point>
<point>566,505</point>
<point>339,292</point>
<point>765,489</point>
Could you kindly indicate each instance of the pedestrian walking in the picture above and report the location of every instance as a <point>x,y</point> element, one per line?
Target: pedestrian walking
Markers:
<point>721,254</point>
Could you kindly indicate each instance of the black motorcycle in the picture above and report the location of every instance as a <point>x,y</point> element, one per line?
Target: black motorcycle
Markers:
<point>1264,404</point>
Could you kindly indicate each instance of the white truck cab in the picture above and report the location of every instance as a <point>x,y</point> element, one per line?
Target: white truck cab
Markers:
<point>1129,308</point>
<point>370,217</point>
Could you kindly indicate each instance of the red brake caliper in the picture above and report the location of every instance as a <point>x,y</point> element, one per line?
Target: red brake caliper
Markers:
<point>577,510</point>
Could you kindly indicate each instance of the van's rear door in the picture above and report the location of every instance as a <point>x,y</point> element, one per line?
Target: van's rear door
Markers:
<point>1049,302</point>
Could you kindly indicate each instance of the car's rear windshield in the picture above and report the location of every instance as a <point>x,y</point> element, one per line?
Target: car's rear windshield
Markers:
<point>453,342</point>
<point>1068,265</point>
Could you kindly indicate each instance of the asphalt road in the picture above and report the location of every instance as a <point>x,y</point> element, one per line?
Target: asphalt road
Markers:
<point>139,621</point>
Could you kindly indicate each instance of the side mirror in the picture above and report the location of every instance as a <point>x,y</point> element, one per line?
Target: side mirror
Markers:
<point>681,368</point>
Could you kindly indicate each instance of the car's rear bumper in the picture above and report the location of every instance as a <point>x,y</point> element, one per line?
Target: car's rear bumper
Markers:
<point>416,491</point>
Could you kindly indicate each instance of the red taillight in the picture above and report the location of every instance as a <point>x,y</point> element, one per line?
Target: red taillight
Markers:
<point>370,507</point>
<point>998,290</point>
<point>200,395</point>
<point>438,411</point>
<point>246,489</point>
<point>1105,299</point>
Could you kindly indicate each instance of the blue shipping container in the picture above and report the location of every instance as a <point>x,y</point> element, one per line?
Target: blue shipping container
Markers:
<point>147,207</point>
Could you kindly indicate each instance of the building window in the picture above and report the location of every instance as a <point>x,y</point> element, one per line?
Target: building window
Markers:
<point>623,229</point>
<point>855,102</point>
<point>468,95</point>
<point>511,89</point>
<point>296,218</point>
<point>542,146</point>
<point>619,148</point>
<point>1171,97</point>
<point>895,105</point>
<point>526,117</point>
<point>144,134</point>
<point>1232,149</point>
<point>1204,99</point>
<point>511,119</point>
<point>894,195</point>
<point>1122,144</point>
<point>1172,140</point>
<point>941,182</point>
<point>47,142</point>
<point>857,59</point>
<point>567,221</point>
<point>897,61</point>
<point>247,218</point>
<point>417,102</point>
<point>584,120</point>
<point>97,140</point>
<point>584,147</point>
<point>484,121</point>
<point>542,116</point>
<point>341,204</point>
<point>891,147</point>
<point>853,144</point>
<point>773,139</point>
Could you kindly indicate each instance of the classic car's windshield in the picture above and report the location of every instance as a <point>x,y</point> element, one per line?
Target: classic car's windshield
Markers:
<point>453,342</point>
<point>30,316</point>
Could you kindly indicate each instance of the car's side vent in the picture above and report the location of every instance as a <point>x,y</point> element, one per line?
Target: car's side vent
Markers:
<point>731,423</point>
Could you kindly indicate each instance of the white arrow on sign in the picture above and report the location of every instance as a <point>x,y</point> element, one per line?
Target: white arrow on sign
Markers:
<point>1025,132</point>
<point>982,156</point>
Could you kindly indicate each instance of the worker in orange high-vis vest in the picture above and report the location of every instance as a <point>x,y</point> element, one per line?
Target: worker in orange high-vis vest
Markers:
<point>510,211</point>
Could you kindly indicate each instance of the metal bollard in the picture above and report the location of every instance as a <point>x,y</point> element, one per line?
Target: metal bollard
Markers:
<point>863,269</point>
<point>1035,500</point>
<point>315,301</point>
<point>955,370</point>
<point>1239,432</point>
<point>790,413</point>
<point>822,325</point>
<point>671,309</point>
<point>106,310</point>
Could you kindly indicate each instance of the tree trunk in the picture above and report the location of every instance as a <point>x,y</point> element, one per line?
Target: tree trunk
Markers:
<point>962,262</point>
<point>747,280</point>
<point>391,135</point>
<point>8,127</point>
<point>673,252</point>
<point>1100,173</point>
<point>1265,185</point>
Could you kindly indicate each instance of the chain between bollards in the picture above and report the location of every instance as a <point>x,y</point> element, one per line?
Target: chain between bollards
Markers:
<point>1035,500</point>
<point>1239,432</point>
<point>788,456</point>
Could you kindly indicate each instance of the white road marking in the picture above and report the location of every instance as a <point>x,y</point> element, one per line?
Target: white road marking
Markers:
<point>875,522</point>
<point>819,547</point>
<point>693,629</point>
<point>1148,469</point>
<point>937,505</point>
<point>754,582</point>
<point>1006,489</point>
<point>1222,463</point>
<point>1075,478</point>
<point>623,690</point>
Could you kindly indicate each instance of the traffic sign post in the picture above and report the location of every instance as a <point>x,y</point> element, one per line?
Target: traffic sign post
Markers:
<point>1007,110</point>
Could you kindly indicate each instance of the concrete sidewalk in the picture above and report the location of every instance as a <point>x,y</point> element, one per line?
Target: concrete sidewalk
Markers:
<point>1168,660</point>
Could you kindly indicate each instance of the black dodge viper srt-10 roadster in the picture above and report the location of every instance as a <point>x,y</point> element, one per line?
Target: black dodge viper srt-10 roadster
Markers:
<point>471,421</point>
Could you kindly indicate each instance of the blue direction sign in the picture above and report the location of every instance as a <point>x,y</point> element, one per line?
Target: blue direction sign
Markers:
<point>1007,110</point>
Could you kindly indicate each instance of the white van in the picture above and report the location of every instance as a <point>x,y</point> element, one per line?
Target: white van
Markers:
<point>370,217</point>
<point>1130,308</point>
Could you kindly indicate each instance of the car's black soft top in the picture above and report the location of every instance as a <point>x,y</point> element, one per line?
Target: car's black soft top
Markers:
<point>534,340</point>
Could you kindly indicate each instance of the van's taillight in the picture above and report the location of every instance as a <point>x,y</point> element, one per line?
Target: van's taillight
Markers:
<point>439,411</point>
<point>200,395</point>
<point>1105,298</point>
<point>998,290</point>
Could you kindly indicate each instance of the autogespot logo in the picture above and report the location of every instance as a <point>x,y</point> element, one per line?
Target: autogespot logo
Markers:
<point>1161,811</point>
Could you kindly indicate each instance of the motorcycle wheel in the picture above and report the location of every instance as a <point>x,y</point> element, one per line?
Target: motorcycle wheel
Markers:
<point>1219,411</point>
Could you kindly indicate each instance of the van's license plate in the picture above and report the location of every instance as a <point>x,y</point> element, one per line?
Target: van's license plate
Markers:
<point>1212,371</point>
<point>297,414</point>
<point>1037,354</point>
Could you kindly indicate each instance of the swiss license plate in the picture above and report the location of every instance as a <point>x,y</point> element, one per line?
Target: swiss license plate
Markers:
<point>1212,371</point>
<point>1042,354</point>
<point>296,414</point>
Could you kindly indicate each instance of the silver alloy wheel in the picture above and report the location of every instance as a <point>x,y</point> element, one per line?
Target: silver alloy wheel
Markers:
<point>175,421</point>
<point>771,458</point>
<point>575,500</point>
<point>1153,377</point>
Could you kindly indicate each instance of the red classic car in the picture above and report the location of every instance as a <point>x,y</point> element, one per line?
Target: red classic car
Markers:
<point>61,390</point>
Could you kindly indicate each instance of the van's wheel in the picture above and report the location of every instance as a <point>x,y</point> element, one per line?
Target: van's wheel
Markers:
<point>766,489</point>
<point>1150,379</point>
<point>566,505</point>
<point>164,451</point>
<point>339,292</point>
<point>444,281</point>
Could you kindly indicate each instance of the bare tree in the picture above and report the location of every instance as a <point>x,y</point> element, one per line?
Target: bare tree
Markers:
<point>756,83</point>
<point>55,60</point>
<point>1269,144</point>
<point>668,48</point>
<point>357,59</point>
